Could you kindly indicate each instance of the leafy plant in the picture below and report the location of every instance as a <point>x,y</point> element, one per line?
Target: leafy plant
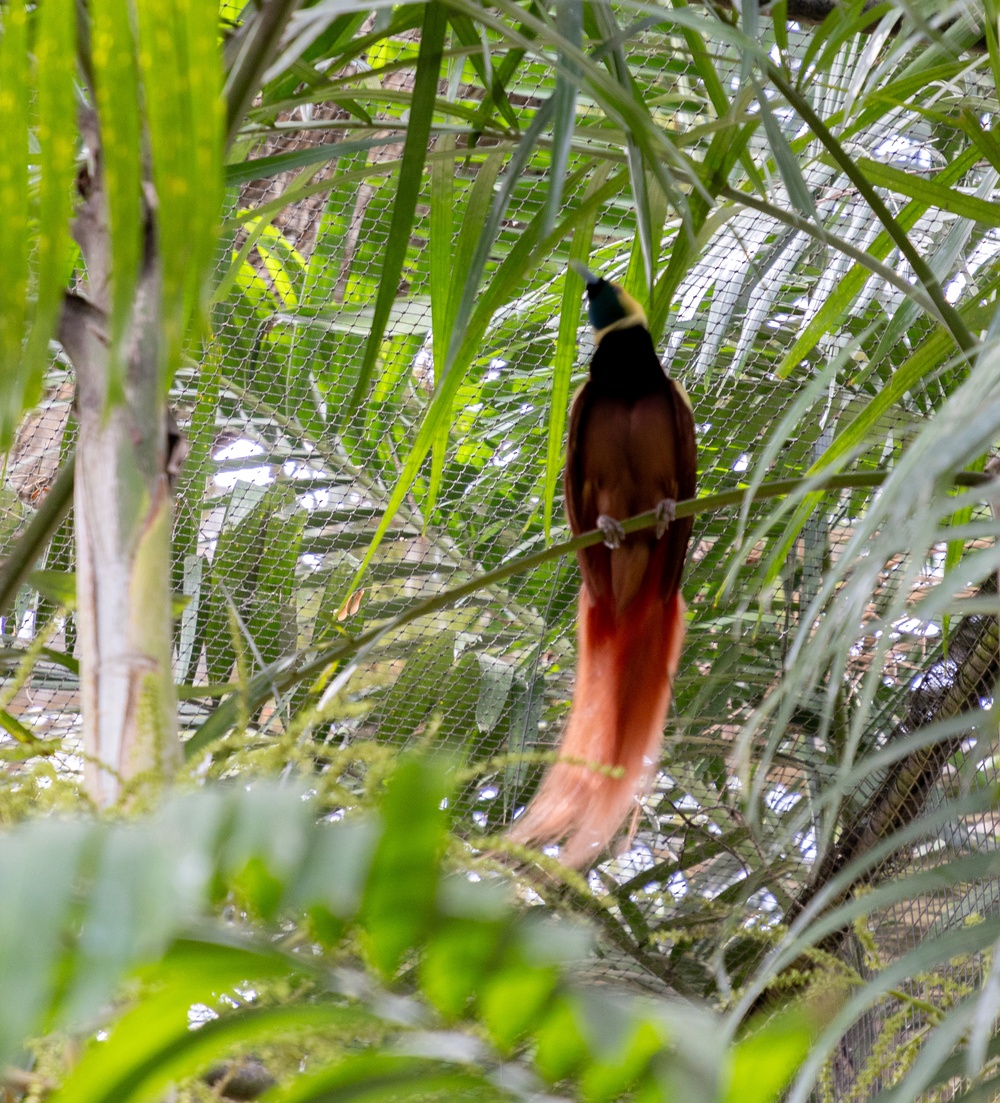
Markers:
<point>310,904</point>
<point>367,548</point>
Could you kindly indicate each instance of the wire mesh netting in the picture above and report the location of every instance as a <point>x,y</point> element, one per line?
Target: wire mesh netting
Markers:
<point>289,476</point>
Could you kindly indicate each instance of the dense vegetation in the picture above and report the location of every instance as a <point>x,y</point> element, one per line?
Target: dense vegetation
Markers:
<point>292,676</point>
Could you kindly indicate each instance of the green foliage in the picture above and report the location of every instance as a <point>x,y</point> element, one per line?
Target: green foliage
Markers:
<point>399,218</point>
<point>138,902</point>
<point>173,49</point>
<point>14,197</point>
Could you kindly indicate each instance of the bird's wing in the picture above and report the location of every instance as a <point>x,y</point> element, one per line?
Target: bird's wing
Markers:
<point>571,477</point>
<point>594,562</point>
<point>686,468</point>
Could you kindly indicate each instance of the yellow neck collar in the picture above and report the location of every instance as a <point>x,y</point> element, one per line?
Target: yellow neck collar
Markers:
<point>638,318</point>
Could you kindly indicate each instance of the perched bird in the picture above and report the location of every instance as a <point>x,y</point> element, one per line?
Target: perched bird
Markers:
<point>631,449</point>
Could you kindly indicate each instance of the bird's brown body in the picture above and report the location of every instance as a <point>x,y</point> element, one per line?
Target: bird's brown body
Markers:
<point>631,446</point>
<point>631,449</point>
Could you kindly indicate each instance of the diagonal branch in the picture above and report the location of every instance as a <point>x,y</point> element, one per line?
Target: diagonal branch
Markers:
<point>293,669</point>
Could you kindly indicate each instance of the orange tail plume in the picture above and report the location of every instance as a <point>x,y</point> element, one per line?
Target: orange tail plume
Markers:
<point>625,672</point>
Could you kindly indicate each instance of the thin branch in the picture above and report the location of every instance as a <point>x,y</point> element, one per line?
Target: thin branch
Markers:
<point>14,570</point>
<point>25,1082</point>
<point>287,672</point>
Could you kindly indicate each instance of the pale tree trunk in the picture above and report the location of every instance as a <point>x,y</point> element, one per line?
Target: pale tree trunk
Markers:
<point>123,508</point>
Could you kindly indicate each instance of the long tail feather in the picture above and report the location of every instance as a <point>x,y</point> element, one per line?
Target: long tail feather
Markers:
<point>625,673</point>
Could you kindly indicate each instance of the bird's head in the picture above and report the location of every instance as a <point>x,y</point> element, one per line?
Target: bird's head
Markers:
<point>610,306</point>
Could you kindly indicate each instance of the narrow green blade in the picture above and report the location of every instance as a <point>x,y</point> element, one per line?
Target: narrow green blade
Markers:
<point>55,42</point>
<point>407,191</point>
<point>565,355</point>
<point>181,91</point>
<point>14,92</point>
<point>569,23</point>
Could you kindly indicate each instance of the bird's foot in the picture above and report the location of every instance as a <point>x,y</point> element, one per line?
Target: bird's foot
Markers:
<point>666,513</point>
<point>613,532</point>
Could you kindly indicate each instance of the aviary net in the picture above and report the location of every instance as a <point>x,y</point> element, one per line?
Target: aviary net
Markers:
<point>296,455</point>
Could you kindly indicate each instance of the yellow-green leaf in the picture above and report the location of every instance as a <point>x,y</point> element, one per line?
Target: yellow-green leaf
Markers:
<point>55,45</point>
<point>14,203</point>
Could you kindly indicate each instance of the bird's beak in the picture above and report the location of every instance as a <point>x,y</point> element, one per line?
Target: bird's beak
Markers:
<point>584,272</point>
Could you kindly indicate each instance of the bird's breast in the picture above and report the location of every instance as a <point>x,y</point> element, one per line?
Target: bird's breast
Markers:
<point>627,457</point>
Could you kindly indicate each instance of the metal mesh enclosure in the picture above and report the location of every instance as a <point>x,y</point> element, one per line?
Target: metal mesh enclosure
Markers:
<point>288,477</point>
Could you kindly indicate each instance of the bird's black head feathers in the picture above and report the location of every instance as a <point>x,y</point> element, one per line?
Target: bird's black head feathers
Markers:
<point>610,306</point>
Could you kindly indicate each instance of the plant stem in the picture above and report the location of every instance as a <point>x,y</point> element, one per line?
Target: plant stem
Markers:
<point>14,570</point>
